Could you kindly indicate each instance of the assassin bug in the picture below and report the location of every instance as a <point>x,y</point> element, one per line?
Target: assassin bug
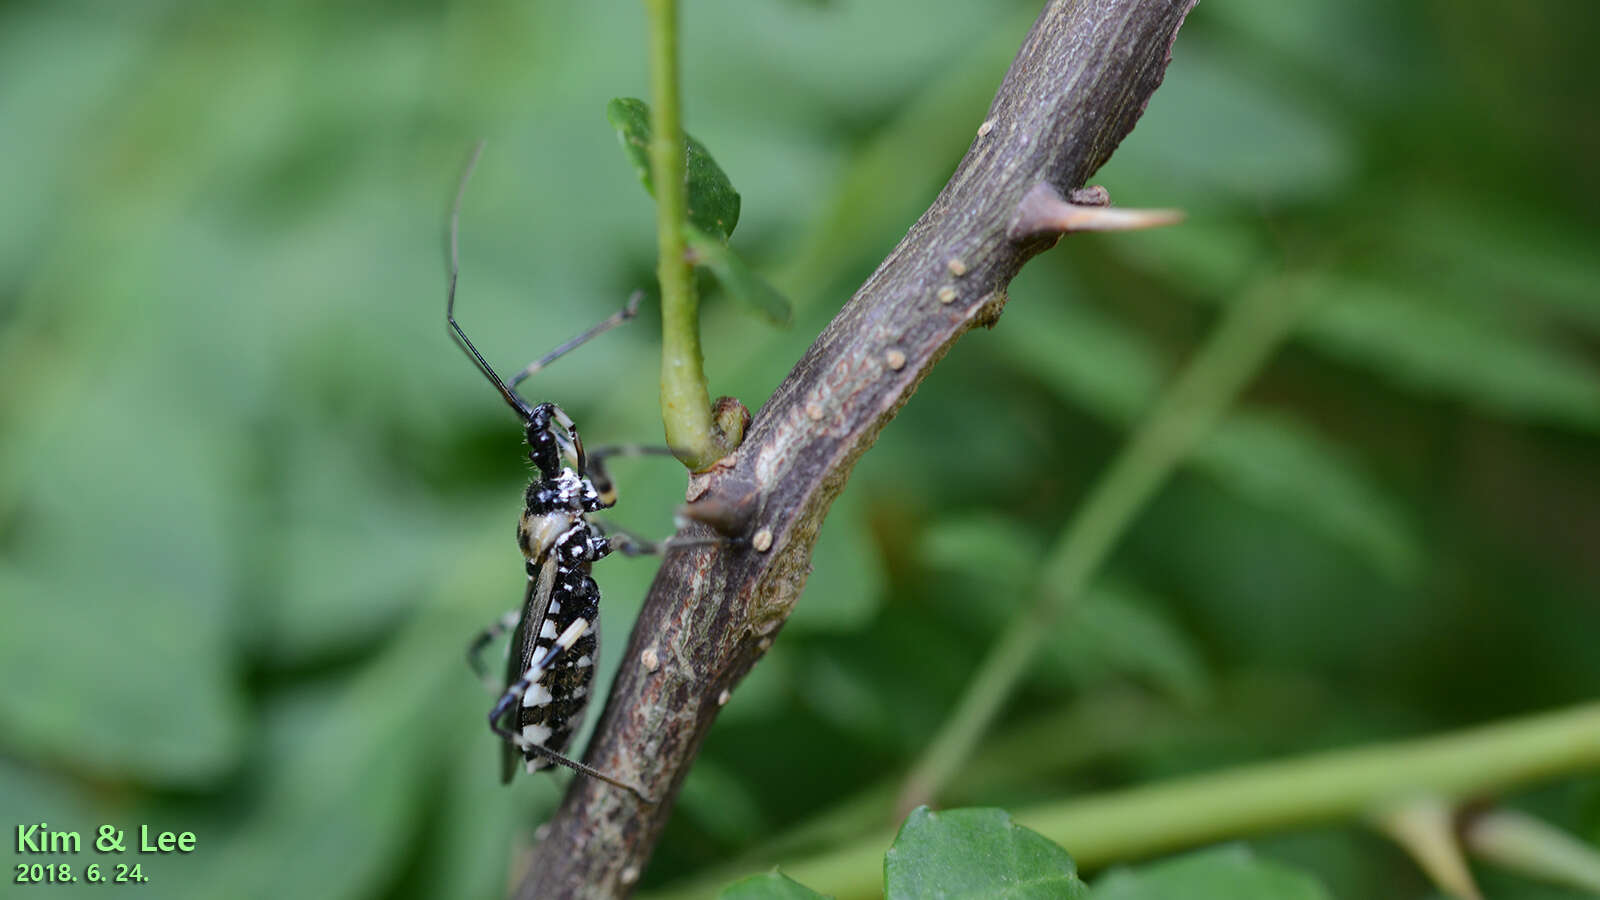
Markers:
<point>555,635</point>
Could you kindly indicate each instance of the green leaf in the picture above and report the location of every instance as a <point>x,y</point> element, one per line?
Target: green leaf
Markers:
<point>988,546</point>
<point>738,279</point>
<point>347,773</point>
<point>1274,460</point>
<point>1539,261</point>
<point>174,725</point>
<point>465,833</point>
<point>1223,873</point>
<point>770,886</point>
<point>1210,261</point>
<point>721,803</point>
<point>1488,359</point>
<point>1117,632</point>
<point>631,118</point>
<point>976,853</point>
<point>1213,133</point>
<point>1282,464</point>
<point>713,203</point>
<point>126,651</point>
<point>1088,359</point>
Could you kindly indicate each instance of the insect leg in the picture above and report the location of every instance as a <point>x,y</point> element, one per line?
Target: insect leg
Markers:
<point>629,544</point>
<point>628,311</point>
<point>601,479</point>
<point>513,697</point>
<point>483,640</point>
<point>568,437</point>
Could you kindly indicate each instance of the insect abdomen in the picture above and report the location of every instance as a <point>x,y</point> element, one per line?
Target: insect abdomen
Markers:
<point>552,709</point>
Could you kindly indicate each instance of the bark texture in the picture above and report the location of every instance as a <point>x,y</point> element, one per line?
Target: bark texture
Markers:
<point>1077,86</point>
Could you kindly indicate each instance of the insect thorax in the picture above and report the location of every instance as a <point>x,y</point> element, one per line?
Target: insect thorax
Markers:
<point>553,508</point>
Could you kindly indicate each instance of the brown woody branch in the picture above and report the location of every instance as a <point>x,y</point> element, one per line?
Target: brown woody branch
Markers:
<point>1076,88</point>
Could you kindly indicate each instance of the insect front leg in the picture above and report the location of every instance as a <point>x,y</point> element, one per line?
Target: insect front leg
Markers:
<point>629,544</point>
<point>601,479</point>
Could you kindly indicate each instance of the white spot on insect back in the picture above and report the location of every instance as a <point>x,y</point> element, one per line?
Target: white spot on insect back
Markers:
<point>547,631</point>
<point>584,661</point>
<point>535,735</point>
<point>536,695</point>
<point>555,606</point>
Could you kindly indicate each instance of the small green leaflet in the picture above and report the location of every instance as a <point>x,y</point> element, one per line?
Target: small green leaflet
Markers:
<point>713,203</point>
<point>713,211</point>
<point>1222,873</point>
<point>976,853</point>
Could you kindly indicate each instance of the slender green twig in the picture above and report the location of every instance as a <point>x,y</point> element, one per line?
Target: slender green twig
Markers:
<point>1345,784</point>
<point>685,399</point>
<point>1251,330</point>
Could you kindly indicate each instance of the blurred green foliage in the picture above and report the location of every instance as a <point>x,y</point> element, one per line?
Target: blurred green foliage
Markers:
<point>253,502</point>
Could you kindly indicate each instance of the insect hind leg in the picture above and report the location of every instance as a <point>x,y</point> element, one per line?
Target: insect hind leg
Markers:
<point>574,765</point>
<point>512,699</point>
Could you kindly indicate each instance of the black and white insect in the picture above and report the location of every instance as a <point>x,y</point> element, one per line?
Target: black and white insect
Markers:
<point>555,635</point>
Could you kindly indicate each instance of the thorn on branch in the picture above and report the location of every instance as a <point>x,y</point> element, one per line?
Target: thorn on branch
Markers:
<point>727,505</point>
<point>1426,828</point>
<point>1043,211</point>
<point>1521,843</point>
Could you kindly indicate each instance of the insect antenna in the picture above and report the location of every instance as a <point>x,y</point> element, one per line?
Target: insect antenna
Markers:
<point>519,405</point>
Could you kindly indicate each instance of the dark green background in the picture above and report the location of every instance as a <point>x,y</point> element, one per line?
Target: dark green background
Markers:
<point>253,502</point>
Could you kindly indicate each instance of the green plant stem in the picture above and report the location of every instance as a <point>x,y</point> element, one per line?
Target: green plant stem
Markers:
<point>1139,822</point>
<point>1251,330</point>
<point>685,399</point>
<point>1058,742</point>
